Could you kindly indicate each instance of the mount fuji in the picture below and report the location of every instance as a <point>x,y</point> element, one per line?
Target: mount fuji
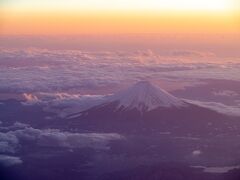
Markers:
<point>146,107</point>
<point>143,96</point>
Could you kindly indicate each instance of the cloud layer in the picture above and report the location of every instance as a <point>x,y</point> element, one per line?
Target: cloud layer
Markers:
<point>19,134</point>
<point>42,70</point>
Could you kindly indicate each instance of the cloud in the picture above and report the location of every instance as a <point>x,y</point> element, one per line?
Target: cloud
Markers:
<point>196,152</point>
<point>19,125</point>
<point>16,125</point>
<point>8,143</point>
<point>218,107</point>
<point>12,140</point>
<point>192,54</point>
<point>77,140</point>
<point>6,160</point>
<point>41,70</point>
<point>223,169</point>
<point>210,72</point>
<point>226,93</point>
<point>30,99</point>
<point>62,104</point>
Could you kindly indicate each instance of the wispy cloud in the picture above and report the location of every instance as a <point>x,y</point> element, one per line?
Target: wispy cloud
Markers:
<point>219,107</point>
<point>226,93</point>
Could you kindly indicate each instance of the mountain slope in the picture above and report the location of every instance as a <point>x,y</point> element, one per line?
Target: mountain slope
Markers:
<point>141,97</point>
<point>146,108</point>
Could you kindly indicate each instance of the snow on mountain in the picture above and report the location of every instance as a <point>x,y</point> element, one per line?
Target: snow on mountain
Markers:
<point>144,96</point>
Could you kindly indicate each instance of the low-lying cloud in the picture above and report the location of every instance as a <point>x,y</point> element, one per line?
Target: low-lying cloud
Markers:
<point>6,160</point>
<point>218,107</point>
<point>62,104</point>
<point>12,139</point>
<point>41,70</point>
<point>226,93</point>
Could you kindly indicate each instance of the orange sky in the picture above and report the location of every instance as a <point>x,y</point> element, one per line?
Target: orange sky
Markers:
<point>29,18</point>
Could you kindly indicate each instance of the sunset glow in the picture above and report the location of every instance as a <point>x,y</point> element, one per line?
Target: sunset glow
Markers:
<point>119,16</point>
<point>190,5</point>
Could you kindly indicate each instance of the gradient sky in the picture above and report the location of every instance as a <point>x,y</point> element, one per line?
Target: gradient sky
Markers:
<point>118,16</point>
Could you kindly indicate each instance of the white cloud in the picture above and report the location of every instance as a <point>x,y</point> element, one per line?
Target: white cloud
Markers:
<point>196,152</point>
<point>218,107</point>
<point>223,169</point>
<point>6,160</point>
<point>8,143</point>
<point>192,54</point>
<point>16,125</point>
<point>30,99</point>
<point>42,70</point>
<point>226,93</point>
<point>19,125</point>
<point>12,140</point>
<point>77,140</point>
<point>225,72</point>
<point>63,104</point>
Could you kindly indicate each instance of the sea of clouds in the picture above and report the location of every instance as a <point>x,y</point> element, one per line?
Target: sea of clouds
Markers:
<point>42,70</point>
<point>73,80</point>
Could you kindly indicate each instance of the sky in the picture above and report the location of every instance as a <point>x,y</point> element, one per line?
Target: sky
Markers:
<point>34,17</point>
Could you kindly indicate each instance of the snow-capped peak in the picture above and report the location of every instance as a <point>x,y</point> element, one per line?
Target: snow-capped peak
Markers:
<point>145,97</point>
